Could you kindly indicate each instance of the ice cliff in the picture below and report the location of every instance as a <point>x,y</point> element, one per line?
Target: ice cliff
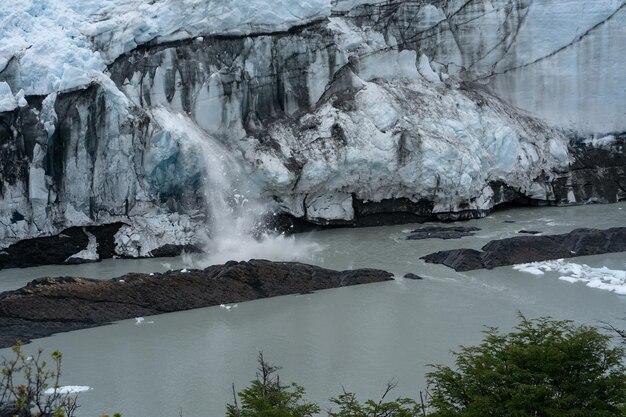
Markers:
<point>350,112</point>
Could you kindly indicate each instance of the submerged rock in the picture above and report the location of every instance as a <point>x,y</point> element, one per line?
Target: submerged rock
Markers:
<point>51,305</point>
<point>438,232</point>
<point>524,249</point>
<point>411,275</point>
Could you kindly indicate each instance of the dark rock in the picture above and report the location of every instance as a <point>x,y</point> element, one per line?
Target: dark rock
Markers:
<point>286,223</point>
<point>529,232</point>
<point>412,276</point>
<point>523,249</point>
<point>44,250</point>
<point>509,221</point>
<point>174,250</point>
<point>391,211</point>
<point>595,175</point>
<point>50,305</point>
<point>438,232</point>
<point>105,236</point>
<point>457,259</point>
<point>50,250</point>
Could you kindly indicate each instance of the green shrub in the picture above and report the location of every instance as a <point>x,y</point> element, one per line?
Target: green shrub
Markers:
<point>349,406</point>
<point>542,368</point>
<point>24,381</point>
<point>266,397</point>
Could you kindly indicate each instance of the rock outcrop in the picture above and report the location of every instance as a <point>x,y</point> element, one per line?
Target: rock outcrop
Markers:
<point>438,232</point>
<point>524,249</point>
<point>51,305</point>
<point>71,246</point>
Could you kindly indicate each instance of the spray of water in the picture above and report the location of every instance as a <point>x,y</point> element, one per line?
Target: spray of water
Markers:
<point>236,213</point>
<point>235,205</point>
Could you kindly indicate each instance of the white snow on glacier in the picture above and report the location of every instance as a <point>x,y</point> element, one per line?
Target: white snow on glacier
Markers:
<point>562,60</point>
<point>601,278</point>
<point>65,44</point>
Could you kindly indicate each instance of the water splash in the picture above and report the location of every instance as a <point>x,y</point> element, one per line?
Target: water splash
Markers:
<point>236,216</point>
<point>236,207</point>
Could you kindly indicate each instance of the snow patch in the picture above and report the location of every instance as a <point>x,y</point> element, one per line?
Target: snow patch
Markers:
<point>63,45</point>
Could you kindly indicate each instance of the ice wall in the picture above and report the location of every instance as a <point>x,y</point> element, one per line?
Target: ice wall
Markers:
<point>336,111</point>
<point>562,60</point>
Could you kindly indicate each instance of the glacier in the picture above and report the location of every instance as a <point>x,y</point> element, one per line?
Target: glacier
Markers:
<point>344,112</point>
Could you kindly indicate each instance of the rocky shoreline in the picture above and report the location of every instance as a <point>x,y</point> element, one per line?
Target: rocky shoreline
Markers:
<point>52,305</point>
<point>438,232</point>
<point>524,249</point>
<point>76,245</point>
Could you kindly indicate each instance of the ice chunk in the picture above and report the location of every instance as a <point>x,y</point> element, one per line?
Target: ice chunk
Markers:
<point>602,278</point>
<point>426,70</point>
<point>7,100</point>
<point>68,389</point>
<point>90,253</point>
<point>528,269</point>
<point>600,142</point>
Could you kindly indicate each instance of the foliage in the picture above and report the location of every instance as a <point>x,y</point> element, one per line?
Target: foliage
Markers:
<point>24,381</point>
<point>266,397</point>
<point>349,406</point>
<point>542,368</point>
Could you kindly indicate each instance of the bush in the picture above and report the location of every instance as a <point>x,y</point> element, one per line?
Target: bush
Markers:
<point>349,406</point>
<point>542,368</point>
<point>266,397</point>
<point>23,384</point>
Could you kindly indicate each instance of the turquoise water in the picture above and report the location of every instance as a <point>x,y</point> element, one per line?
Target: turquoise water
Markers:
<point>357,338</point>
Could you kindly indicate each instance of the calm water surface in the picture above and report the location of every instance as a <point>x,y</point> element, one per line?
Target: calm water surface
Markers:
<point>357,338</point>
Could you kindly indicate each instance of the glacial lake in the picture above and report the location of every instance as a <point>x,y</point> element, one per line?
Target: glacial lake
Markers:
<point>358,337</point>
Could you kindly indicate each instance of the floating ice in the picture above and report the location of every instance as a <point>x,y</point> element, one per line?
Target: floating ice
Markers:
<point>68,389</point>
<point>528,269</point>
<point>602,278</point>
